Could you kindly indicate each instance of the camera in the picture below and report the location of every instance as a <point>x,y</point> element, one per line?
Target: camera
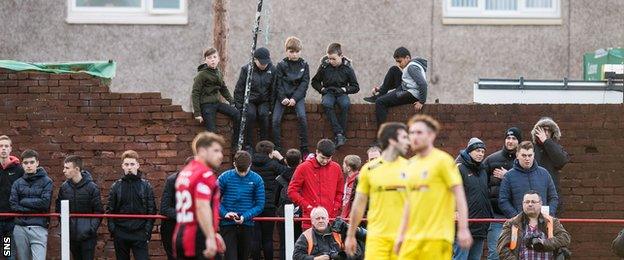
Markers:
<point>341,255</point>
<point>340,226</point>
<point>535,242</point>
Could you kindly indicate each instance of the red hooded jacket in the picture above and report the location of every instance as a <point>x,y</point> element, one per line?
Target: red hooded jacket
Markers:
<point>314,185</point>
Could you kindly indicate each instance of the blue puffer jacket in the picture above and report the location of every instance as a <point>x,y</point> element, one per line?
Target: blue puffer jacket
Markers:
<point>32,194</point>
<point>241,194</point>
<point>518,181</point>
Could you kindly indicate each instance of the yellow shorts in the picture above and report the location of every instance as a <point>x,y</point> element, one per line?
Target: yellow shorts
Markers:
<point>426,249</point>
<point>379,248</point>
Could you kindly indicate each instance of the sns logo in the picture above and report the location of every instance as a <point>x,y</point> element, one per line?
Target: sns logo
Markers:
<point>6,248</point>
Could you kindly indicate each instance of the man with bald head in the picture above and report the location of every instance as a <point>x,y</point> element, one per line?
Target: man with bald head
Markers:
<point>319,242</point>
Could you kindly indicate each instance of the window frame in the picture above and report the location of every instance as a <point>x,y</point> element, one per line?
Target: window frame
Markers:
<point>146,14</point>
<point>524,15</point>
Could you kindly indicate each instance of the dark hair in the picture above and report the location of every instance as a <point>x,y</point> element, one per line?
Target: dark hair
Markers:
<point>334,48</point>
<point>326,147</point>
<point>526,145</point>
<point>293,157</point>
<point>531,192</point>
<point>205,139</point>
<point>29,153</point>
<point>242,161</point>
<point>209,52</point>
<point>265,147</point>
<point>75,160</point>
<point>431,123</point>
<point>389,131</point>
<point>401,52</point>
<point>130,154</point>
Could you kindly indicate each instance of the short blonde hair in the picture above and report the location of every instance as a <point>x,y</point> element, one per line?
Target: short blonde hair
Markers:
<point>431,123</point>
<point>4,137</point>
<point>293,43</point>
<point>353,161</point>
<point>130,154</point>
<point>206,139</point>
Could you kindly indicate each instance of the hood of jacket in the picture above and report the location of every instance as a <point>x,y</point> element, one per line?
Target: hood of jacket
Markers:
<point>86,178</point>
<point>40,173</point>
<point>518,167</point>
<point>12,161</point>
<point>260,159</point>
<point>345,61</point>
<point>549,122</point>
<point>132,177</point>
<point>421,61</point>
<point>204,66</point>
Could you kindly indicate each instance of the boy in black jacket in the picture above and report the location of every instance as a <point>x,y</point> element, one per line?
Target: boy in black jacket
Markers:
<point>10,171</point>
<point>293,77</point>
<point>84,197</point>
<point>335,80</point>
<point>293,159</point>
<point>131,195</point>
<point>260,95</point>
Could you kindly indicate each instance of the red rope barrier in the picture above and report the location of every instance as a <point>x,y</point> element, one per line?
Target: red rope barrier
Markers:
<point>280,219</point>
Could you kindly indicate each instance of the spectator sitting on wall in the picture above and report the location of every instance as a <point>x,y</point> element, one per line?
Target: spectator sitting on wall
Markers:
<point>293,159</point>
<point>351,168</point>
<point>208,88</point>
<point>413,88</point>
<point>335,80</point>
<point>548,152</point>
<point>526,175</point>
<point>293,77</point>
<point>320,242</point>
<point>242,198</point>
<point>260,95</point>
<point>496,165</point>
<point>533,235</point>
<point>31,194</point>
<point>318,182</point>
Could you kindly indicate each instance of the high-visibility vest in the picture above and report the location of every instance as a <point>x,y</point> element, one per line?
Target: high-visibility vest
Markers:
<point>514,232</point>
<point>308,235</point>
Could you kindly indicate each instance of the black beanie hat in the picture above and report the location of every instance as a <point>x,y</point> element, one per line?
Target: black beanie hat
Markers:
<point>515,132</point>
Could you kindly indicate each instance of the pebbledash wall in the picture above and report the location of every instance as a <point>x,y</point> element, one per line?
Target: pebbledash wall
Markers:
<point>66,114</point>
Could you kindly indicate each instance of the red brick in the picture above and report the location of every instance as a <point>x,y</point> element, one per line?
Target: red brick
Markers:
<point>83,139</point>
<point>59,76</point>
<point>166,138</point>
<point>64,82</point>
<point>181,115</point>
<point>136,131</point>
<point>156,146</point>
<point>151,95</point>
<point>104,139</point>
<point>166,153</point>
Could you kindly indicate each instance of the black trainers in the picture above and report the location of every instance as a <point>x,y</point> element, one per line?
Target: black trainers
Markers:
<point>371,99</point>
<point>340,140</point>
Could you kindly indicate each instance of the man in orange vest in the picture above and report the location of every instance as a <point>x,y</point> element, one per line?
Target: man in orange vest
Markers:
<point>533,235</point>
<point>319,242</point>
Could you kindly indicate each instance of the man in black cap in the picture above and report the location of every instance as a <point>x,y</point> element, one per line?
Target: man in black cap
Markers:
<point>496,166</point>
<point>262,86</point>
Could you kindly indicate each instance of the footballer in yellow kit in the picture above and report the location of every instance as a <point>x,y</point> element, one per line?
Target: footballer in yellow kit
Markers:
<point>382,181</point>
<point>435,195</point>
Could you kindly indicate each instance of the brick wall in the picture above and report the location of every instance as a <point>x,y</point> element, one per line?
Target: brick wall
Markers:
<point>65,114</point>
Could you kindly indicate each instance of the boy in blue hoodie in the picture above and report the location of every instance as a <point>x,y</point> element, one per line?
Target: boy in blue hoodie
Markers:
<point>293,76</point>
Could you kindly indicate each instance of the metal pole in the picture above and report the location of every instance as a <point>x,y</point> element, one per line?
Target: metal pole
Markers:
<point>241,134</point>
<point>289,230</point>
<point>65,229</point>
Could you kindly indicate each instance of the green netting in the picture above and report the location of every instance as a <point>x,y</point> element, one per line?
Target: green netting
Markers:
<point>102,69</point>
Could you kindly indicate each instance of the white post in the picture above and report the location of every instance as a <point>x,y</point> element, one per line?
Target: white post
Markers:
<point>65,229</point>
<point>289,229</point>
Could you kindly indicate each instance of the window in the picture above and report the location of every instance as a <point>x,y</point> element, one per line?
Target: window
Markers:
<point>127,11</point>
<point>502,11</point>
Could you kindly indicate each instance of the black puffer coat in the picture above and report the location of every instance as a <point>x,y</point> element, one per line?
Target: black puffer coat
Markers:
<point>501,159</point>
<point>131,195</point>
<point>476,188</point>
<point>84,197</point>
<point>268,169</point>
<point>32,194</point>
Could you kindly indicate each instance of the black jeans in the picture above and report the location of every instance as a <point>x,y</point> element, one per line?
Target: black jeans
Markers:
<point>166,234</point>
<point>278,112</point>
<point>329,101</point>
<point>263,236</point>
<point>84,249</point>
<point>391,99</point>
<point>123,247</point>
<point>257,113</point>
<point>237,240</point>
<point>392,80</point>
<point>209,114</point>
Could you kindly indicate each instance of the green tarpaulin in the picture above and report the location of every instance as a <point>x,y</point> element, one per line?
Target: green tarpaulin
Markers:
<point>593,62</point>
<point>102,69</point>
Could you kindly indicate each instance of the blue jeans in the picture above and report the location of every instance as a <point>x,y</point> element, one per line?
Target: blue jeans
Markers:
<point>329,101</point>
<point>278,112</point>
<point>473,254</point>
<point>6,230</point>
<point>496,228</point>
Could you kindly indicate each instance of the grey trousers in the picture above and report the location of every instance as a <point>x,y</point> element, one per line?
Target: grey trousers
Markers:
<point>31,242</point>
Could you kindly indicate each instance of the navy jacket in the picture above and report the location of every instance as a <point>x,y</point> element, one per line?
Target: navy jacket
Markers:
<point>32,194</point>
<point>518,181</point>
<point>501,159</point>
<point>10,173</point>
<point>84,197</point>
<point>293,78</point>
<point>242,195</point>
